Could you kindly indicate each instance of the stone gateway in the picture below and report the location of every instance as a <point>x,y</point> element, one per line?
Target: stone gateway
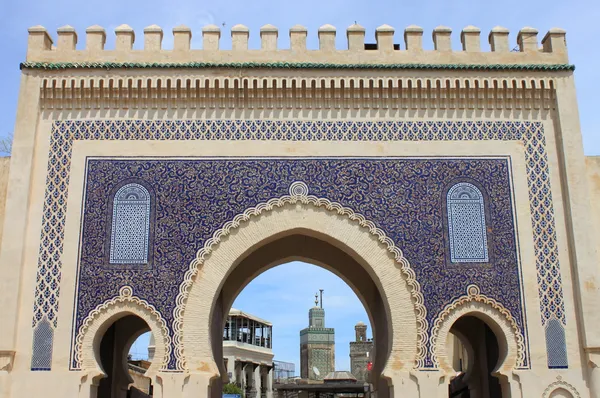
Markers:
<point>448,188</point>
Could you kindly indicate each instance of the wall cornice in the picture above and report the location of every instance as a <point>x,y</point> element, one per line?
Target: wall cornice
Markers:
<point>125,89</point>
<point>292,65</point>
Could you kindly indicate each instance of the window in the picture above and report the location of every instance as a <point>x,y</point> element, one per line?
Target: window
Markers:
<point>130,225</point>
<point>466,224</point>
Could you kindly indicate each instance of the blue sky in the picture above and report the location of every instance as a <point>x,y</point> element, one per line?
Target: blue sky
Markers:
<point>283,295</point>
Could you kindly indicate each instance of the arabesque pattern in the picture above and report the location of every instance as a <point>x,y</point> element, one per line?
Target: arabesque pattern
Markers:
<point>65,132</point>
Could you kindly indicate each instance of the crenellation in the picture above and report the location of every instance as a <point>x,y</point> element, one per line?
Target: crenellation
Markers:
<point>125,38</point>
<point>298,35</point>
<point>356,37</point>
<point>498,39</point>
<point>385,38</point>
<point>527,39</point>
<point>153,36</point>
<point>239,37</point>
<point>39,40</point>
<point>553,49</point>
<point>413,38</point>
<point>555,41</point>
<point>211,34</point>
<point>442,38</point>
<point>268,37</point>
<point>469,37</point>
<point>327,38</point>
<point>182,37</point>
<point>95,38</point>
<point>67,38</point>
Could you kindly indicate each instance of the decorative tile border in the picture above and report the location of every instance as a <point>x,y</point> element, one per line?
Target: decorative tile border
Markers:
<point>65,132</point>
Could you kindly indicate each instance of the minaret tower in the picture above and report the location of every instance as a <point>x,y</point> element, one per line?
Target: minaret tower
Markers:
<point>317,344</point>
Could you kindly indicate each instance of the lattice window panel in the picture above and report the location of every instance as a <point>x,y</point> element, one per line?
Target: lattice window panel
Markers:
<point>466,224</point>
<point>130,230</point>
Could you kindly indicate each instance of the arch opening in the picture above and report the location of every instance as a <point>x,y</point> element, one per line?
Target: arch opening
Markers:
<point>349,246</point>
<point>476,348</point>
<point>308,248</point>
<point>121,378</point>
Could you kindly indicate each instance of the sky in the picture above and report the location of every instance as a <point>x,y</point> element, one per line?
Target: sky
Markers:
<point>283,295</point>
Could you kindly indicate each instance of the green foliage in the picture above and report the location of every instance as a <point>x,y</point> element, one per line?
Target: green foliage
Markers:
<point>231,388</point>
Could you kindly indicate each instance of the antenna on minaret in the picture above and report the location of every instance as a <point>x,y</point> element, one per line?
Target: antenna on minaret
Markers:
<point>321,290</point>
<point>316,299</point>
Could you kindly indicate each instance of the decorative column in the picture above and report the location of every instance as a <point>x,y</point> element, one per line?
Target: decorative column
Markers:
<point>270,381</point>
<point>231,370</point>
<point>243,382</point>
<point>256,384</point>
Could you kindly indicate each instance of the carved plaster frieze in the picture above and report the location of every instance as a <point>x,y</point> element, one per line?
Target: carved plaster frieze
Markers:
<point>385,92</point>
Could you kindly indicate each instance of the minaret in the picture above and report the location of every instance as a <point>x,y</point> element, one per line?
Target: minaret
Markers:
<point>361,353</point>
<point>317,344</point>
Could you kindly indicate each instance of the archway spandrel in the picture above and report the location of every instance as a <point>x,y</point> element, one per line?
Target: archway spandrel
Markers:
<point>340,229</point>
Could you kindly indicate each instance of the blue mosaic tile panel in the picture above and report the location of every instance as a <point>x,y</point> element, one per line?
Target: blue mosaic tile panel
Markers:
<point>194,198</point>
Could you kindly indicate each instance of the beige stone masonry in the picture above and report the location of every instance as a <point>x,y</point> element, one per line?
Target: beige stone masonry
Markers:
<point>153,36</point>
<point>384,35</point>
<point>239,37</point>
<point>182,35</point>
<point>469,38</point>
<point>554,41</point>
<point>67,38</point>
<point>527,39</point>
<point>498,39</point>
<point>356,37</point>
<point>553,50</point>
<point>413,38</point>
<point>442,39</point>
<point>96,38</point>
<point>298,35</point>
<point>125,38</point>
<point>327,38</point>
<point>211,34</point>
<point>268,38</point>
<point>39,40</point>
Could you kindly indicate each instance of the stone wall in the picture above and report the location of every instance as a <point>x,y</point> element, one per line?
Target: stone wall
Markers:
<point>4,169</point>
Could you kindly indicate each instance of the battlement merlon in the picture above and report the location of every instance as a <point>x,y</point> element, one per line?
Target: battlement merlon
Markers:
<point>553,49</point>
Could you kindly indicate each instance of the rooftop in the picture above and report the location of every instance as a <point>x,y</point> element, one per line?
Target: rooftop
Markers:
<point>234,312</point>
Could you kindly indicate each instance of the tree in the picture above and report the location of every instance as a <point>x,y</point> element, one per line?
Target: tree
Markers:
<point>6,145</point>
<point>231,388</point>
